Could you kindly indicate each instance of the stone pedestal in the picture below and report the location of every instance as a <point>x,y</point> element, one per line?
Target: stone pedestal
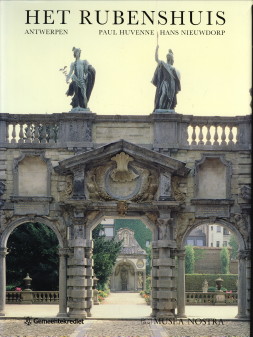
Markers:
<point>220,298</point>
<point>27,297</point>
<point>95,297</point>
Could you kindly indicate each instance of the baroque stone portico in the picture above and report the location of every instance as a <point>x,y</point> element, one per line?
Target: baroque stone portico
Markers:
<point>172,171</point>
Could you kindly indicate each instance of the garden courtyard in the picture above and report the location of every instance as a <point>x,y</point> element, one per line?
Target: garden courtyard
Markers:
<point>124,314</point>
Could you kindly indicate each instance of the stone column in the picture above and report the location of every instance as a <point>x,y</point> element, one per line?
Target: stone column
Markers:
<point>79,274</point>
<point>63,252</point>
<point>242,287</point>
<point>3,253</point>
<point>164,297</point>
<point>248,284</point>
<point>181,283</point>
<point>89,276</point>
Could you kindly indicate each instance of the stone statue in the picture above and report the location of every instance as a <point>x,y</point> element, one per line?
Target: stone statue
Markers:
<point>167,82</point>
<point>163,225</point>
<point>205,286</point>
<point>83,78</point>
<point>140,281</point>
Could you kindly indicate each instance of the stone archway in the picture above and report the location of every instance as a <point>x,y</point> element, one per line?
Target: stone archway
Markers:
<point>62,261</point>
<point>243,267</point>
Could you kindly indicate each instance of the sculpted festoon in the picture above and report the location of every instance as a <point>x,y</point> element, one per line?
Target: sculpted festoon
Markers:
<point>167,81</point>
<point>82,75</point>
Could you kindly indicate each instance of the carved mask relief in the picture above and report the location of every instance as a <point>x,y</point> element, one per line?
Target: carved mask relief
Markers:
<point>121,179</point>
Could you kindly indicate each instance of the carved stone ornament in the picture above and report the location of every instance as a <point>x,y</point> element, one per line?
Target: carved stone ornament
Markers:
<point>184,221</point>
<point>163,225</point>
<point>122,207</point>
<point>122,173</point>
<point>241,223</point>
<point>246,192</point>
<point>106,183</point>
<point>2,188</point>
<point>152,216</point>
<point>176,192</point>
<point>244,254</point>
<point>67,190</point>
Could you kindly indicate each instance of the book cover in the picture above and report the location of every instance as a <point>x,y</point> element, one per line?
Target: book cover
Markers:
<point>123,43</point>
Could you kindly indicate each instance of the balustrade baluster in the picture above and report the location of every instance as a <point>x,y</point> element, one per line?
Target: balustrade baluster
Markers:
<point>201,135</point>
<point>215,137</point>
<point>223,135</point>
<point>7,133</point>
<point>28,134</point>
<point>51,134</point>
<point>230,136</point>
<point>13,141</point>
<point>193,135</point>
<point>237,135</point>
<point>44,134</point>
<point>21,133</point>
<point>36,134</point>
<point>208,136</point>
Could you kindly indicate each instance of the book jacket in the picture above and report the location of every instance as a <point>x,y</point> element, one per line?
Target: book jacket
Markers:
<point>210,40</point>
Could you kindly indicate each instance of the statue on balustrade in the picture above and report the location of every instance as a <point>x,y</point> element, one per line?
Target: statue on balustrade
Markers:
<point>167,82</point>
<point>82,75</point>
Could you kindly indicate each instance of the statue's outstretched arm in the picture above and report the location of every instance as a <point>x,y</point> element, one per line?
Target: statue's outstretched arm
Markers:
<point>70,72</point>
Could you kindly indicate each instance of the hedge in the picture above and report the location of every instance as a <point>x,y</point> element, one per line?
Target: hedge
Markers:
<point>193,282</point>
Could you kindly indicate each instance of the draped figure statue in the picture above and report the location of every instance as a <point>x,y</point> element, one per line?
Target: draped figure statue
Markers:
<point>167,81</point>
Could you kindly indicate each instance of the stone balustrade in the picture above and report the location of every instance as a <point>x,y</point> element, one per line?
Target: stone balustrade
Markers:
<point>167,130</point>
<point>13,297</point>
<point>35,297</point>
<point>200,298</point>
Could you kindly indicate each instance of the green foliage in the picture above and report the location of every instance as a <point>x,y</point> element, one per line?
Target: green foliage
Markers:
<point>33,249</point>
<point>213,289</point>
<point>148,285</point>
<point>235,247</point>
<point>141,232</point>
<point>198,254</point>
<point>148,261</point>
<point>105,253</point>
<point>189,260</point>
<point>193,282</point>
<point>224,256</point>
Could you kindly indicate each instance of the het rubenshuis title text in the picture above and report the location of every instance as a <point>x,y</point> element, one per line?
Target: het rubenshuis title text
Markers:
<point>131,18</point>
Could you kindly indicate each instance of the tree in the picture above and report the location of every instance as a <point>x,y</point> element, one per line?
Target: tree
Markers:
<point>224,256</point>
<point>235,247</point>
<point>189,260</point>
<point>105,253</point>
<point>33,249</point>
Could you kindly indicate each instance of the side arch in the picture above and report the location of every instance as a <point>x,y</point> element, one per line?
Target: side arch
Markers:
<point>12,225</point>
<point>241,241</point>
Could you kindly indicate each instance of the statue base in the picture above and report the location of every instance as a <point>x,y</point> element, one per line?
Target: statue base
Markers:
<point>78,109</point>
<point>164,111</point>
